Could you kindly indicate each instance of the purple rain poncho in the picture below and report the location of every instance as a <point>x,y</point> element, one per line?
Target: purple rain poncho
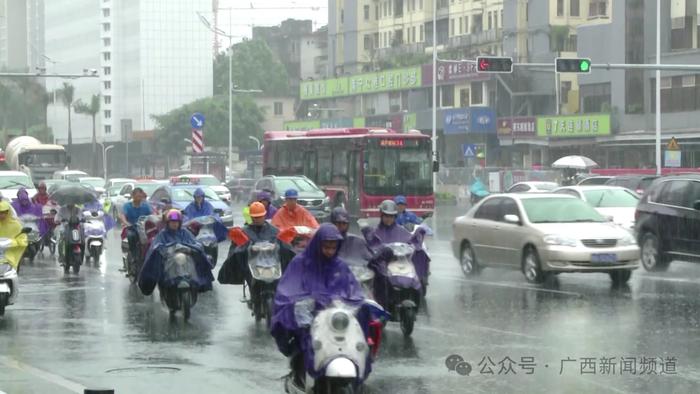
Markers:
<point>23,205</point>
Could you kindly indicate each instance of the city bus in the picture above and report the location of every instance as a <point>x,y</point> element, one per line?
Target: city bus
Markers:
<point>358,168</point>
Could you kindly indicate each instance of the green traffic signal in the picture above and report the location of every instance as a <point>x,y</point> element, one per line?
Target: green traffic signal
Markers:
<point>585,66</point>
<point>572,65</point>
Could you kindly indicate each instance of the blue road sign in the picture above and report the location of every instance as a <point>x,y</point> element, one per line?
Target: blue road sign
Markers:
<point>469,150</point>
<point>197,121</point>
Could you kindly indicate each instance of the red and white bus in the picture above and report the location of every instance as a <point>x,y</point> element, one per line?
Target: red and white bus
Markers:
<point>357,167</point>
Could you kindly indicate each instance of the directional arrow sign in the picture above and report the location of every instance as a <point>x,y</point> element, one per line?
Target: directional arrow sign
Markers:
<point>197,121</point>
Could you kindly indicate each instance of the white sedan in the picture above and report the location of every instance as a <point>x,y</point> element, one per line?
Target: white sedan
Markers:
<point>614,202</point>
<point>532,187</point>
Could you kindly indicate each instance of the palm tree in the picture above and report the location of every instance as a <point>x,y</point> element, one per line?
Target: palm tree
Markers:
<point>67,93</point>
<point>93,109</point>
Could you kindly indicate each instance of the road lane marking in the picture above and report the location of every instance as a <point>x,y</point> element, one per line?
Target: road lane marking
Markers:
<point>44,375</point>
<point>477,327</point>
<point>509,285</point>
<point>669,279</point>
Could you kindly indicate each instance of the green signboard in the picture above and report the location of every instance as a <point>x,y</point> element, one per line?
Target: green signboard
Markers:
<point>573,126</point>
<point>382,81</point>
<point>300,125</point>
<point>409,121</point>
<point>358,122</point>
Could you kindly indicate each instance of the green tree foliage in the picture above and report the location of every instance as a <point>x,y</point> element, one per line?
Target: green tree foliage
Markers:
<point>174,126</point>
<point>67,96</point>
<point>92,110</point>
<point>23,103</point>
<point>254,67</point>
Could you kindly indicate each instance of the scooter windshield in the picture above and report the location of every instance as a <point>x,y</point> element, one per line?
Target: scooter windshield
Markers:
<point>179,263</point>
<point>401,265</point>
<point>264,261</point>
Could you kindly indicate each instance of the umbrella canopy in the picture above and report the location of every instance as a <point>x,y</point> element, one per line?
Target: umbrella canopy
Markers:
<point>73,194</point>
<point>574,162</point>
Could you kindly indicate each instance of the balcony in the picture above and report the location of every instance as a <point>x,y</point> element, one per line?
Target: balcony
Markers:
<point>403,49</point>
<point>476,39</point>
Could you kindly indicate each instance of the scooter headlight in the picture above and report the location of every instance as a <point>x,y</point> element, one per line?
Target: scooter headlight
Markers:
<point>340,321</point>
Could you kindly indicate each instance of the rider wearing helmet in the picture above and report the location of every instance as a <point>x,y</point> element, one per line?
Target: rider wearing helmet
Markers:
<point>352,246</point>
<point>291,214</point>
<point>152,272</point>
<point>265,198</point>
<point>405,216</point>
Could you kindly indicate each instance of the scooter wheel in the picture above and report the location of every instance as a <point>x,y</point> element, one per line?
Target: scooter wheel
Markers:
<point>408,318</point>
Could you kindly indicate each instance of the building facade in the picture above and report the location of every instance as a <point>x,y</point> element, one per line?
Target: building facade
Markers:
<point>152,56</point>
<point>21,35</point>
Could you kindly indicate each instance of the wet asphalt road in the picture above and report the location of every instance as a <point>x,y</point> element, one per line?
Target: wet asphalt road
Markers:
<point>70,332</point>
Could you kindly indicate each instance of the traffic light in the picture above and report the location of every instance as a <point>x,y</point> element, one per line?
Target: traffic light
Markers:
<point>489,64</point>
<point>578,65</point>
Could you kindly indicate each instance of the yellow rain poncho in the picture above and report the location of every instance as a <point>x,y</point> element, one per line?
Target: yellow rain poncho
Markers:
<point>11,229</point>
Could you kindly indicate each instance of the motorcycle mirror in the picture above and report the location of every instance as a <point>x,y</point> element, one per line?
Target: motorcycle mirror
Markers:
<point>427,215</point>
<point>26,230</point>
<point>237,236</point>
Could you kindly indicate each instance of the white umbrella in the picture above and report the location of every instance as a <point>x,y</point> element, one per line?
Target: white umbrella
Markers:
<point>575,162</point>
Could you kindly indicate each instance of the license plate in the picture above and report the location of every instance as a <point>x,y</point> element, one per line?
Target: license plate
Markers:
<point>604,258</point>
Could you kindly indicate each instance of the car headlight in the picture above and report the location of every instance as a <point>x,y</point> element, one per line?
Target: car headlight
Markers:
<point>559,240</point>
<point>627,240</point>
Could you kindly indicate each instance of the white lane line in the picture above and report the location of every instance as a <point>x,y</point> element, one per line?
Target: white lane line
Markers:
<point>476,327</point>
<point>665,279</point>
<point>44,375</point>
<point>512,286</point>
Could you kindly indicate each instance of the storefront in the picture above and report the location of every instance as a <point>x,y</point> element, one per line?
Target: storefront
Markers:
<point>467,133</point>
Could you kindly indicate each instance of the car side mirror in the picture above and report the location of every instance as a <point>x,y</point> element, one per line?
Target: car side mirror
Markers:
<point>512,219</point>
<point>696,205</point>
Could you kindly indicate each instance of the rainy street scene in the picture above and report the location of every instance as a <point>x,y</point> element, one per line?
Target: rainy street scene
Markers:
<point>349,196</point>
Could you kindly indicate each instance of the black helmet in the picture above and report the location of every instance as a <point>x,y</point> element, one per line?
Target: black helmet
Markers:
<point>388,207</point>
<point>340,215</point>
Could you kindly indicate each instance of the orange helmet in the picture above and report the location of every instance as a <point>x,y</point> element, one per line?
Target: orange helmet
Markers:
<point>257,209</point>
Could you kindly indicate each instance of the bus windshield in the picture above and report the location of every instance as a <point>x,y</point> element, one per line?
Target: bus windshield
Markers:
<point>390,171</point>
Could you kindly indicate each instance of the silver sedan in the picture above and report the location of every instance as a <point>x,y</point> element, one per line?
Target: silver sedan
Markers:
<point>542,234</point>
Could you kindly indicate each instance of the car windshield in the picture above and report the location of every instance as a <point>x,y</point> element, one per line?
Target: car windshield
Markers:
<point>187,194</point>
<point>645,183</point>
<point>391,170</point>
<point>15,182</point>
<point>594,181</point>
<point>300,184</point>
<point>560,210</point>
<point>120,183</point>
<point>611,198</point>
<point>148,188</point>
<point>95,182</point>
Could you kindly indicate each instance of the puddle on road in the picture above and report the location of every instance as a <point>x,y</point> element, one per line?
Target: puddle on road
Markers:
<point>144,370</point>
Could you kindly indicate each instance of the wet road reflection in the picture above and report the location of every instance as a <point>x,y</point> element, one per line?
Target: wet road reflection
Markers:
<point>96,330</point>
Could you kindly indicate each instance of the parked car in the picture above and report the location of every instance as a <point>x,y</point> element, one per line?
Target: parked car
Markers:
<point>594,180</point>
<point>532,187</point>
<point>668,221</point>
<point>205,180</point>
<point>636,183</point>
<point>614,202</point>
<point>542,234</point>
<point>11,181</point>
<point>183,195</point>
<point>311,196</point>
<point>70,175</point>
<point>240,188</point>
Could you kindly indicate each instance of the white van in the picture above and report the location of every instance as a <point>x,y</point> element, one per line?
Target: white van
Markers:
<point>69,175</point>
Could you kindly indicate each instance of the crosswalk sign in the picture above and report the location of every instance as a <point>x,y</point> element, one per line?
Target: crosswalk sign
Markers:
<point>469,150</point>
<point>673,144</point>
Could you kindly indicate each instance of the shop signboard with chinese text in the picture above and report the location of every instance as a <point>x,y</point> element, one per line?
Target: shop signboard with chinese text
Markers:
<point>517,126</point>
<point>382,81</point>
<point>573,126</point>
<point>469,120</point>
<point>452,72</point>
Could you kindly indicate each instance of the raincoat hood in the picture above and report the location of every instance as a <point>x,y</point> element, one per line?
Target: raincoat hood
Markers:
<point>23,196</point>
<point>11,228</point>
<point>199,192</point>
<point>326,232</point>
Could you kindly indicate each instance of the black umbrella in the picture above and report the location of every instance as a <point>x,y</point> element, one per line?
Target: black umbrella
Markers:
<point>73,194</point>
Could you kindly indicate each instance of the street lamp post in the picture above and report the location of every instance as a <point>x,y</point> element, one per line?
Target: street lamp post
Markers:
<point>105,149</point>
<point>257,141</point>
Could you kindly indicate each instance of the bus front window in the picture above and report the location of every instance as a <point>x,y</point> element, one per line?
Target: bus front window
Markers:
<point>391,171</point>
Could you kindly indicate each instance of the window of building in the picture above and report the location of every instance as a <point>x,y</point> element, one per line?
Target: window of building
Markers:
<point>108,114</point>
<point>108,129</point>
<point>478,24</point>
<point>452,27</point>
<point>574,8</point>
<point>107,70</point>
<point>421,33</point>
<point>464,97</point>
<point>107,56</point>
<point>598,8</point>
<point>595,98</point>
<point>501,18</point>
<point>105,12</point>
<point>106,27</point>
<point>490,21</point>
<point>413,34</point>
<point>279,110</point>
<point>366,12</point>
<point>108,99</point>
<point>342,15</point>
<point>477,93</point>
<point>413,5</point>
<point>367,42</point>
<point>560,7</point>
<point>565,89</point>
<point>385,6</point>
<point>466,24</point>
<point>461,27</point>
<point>447,96</point>
<point>107,41</point>
<point>395,102</point>
<point>420,2</point>
<point>495,19</point>
<point>375,42</point>
<point>108,85</point>
<point>376,11</point>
